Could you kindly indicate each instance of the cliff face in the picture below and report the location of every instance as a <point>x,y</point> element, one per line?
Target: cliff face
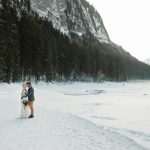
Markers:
<point>72,17</point>
<point>37,50</point>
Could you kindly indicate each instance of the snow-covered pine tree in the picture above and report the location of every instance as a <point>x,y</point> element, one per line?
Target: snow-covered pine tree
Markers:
<point>9,39</point>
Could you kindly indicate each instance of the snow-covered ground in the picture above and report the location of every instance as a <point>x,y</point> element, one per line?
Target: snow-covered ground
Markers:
<point>78,116</point>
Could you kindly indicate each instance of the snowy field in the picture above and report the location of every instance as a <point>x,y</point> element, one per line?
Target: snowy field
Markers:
<point>78,116</point>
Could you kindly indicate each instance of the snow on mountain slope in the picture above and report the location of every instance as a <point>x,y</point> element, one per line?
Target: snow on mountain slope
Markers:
<point>72,17</point>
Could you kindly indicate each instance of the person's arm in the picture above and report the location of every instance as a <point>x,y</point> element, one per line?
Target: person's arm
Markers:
<point>30,92</point>
<point>23,97</point>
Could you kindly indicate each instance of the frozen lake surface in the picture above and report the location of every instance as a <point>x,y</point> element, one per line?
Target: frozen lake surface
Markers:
<point>71,116</point>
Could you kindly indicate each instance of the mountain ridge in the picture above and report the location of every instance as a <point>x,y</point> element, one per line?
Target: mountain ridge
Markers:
<point>37,49</point>
<point>72,17</point>
<point>147,61</point>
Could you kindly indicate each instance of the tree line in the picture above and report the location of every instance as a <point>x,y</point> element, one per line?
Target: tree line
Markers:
<point>31,48</point>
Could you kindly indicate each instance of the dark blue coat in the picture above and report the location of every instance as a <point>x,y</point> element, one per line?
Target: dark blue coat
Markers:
<point>31,94</point>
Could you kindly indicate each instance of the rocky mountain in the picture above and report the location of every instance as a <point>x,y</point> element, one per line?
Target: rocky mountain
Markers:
<point>72,17</point>
<point>60,40</point>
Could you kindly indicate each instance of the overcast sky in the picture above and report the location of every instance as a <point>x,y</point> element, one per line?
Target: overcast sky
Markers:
<point>127,23</point>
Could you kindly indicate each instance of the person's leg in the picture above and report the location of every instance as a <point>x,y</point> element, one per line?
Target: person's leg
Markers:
<point>30,103</point>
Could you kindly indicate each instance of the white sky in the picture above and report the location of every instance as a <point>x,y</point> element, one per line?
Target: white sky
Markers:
<point>127,23</point>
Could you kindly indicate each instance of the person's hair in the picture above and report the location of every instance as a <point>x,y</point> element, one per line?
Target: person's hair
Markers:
<point>29,83</point>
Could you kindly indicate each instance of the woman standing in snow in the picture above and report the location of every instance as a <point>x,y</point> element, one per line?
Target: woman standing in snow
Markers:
<point>24,112</point>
